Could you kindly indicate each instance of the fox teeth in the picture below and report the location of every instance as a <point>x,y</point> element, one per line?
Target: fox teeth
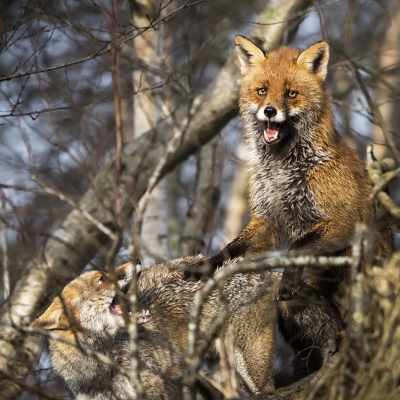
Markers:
<point>144,317</point>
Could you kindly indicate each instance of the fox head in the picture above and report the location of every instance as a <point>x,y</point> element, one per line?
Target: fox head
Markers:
<point>282,91</point>
<point>91,303</point>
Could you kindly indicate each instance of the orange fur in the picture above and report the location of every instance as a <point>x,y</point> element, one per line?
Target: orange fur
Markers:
<point>308,189</point>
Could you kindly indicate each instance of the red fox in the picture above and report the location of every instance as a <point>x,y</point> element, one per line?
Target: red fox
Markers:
<point>88,312</point>
<point>308,189</point>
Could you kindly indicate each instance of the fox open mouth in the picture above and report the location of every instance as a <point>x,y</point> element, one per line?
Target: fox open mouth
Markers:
<point>116,309</point>
<point>143,317</point>
<point>271,131</point>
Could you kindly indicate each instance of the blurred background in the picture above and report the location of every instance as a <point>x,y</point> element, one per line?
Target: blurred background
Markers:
<point>82,81</point>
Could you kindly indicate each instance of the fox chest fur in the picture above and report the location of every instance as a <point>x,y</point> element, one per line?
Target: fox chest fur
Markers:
<point>308,188</point>
<point>290,134</point>
<point>280,191</point>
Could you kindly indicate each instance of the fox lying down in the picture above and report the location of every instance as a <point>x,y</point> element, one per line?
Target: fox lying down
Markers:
<point>89,313</point>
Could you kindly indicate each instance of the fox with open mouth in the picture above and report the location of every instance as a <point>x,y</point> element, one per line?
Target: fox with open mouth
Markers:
<point>89,313</point>
<point>308,189</point>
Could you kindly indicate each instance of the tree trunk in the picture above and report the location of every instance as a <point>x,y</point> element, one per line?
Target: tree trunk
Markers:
<point>145,161</point>
<point>388,84</point>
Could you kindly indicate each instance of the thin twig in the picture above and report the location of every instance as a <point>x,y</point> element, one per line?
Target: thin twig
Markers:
<point>115,73</point>
<point>33,389</point>
<point>233,379</point>
<point>6,273</point>
<point>45,189</point>
<point>108,47</point>
<point>132,327</point>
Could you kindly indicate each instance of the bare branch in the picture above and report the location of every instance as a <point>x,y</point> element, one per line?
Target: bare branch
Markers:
<point>139,163</point>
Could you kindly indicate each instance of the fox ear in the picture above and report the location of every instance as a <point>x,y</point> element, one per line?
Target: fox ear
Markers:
<point>315,59</point>
<point>53,318</point>
<point>249,54</point>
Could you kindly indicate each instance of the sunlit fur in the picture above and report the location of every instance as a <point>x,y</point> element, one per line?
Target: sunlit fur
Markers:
<point>308,180</point>
<point>82,312</point>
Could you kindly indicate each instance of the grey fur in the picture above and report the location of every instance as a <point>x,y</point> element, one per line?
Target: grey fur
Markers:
<point>280,192</point>
<point>162,339</point>
<point>252,313</point>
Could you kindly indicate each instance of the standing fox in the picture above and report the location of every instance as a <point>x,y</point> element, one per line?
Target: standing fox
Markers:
<point>308,189</point>
<point>89,314</point>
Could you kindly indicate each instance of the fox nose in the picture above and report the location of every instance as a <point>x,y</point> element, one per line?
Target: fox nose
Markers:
<point>270,111</point>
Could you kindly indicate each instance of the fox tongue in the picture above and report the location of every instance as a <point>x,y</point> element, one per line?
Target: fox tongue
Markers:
<point>271,131</point>
<point>116,308</point>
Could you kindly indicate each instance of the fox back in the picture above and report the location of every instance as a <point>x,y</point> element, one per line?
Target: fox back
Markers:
<point>250,299</point>
<point>88,315</point>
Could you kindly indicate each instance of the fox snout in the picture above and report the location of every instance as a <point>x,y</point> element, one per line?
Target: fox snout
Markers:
<point>124,275</point>
<point>271,120</point>
<point>270,112</point>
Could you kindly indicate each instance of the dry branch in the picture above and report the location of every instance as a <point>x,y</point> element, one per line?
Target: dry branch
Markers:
<point>77,240</point>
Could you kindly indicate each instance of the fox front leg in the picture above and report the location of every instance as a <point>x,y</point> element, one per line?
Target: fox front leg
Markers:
<point>326,238</point>
<point>255,237</point>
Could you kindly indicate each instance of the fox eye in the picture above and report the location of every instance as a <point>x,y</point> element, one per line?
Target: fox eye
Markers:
<point>292,94</point>
<point>101,280</point>
<point>261,92</point>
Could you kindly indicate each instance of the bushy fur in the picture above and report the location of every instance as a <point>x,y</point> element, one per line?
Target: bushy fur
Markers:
<point>308,189</point>
<point>83,313</point>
